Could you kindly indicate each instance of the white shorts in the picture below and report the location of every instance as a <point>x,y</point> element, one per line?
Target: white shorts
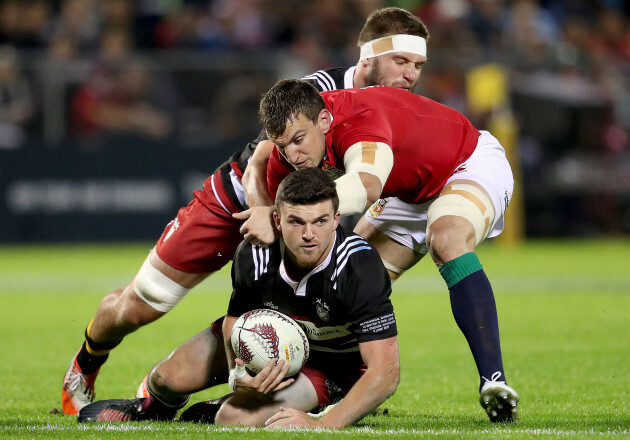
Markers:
<point>406,223</point>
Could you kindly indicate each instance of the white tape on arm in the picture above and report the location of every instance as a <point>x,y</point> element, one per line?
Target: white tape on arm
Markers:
<point>236,373</point>
<point>374,158</point>
<point>352,194</point>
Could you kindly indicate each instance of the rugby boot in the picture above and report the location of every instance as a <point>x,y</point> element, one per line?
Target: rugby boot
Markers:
<point>500,401</point>
<point>78,388</point>
<point>124,410</point>
<point>203,412</point>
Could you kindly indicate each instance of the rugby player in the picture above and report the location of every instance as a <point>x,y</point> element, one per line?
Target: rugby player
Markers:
<point>330,281</point>
<point>205,234</point>
<point>435,184</point>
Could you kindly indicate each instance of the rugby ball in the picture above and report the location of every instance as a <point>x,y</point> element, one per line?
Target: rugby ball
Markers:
<point>263,334</point>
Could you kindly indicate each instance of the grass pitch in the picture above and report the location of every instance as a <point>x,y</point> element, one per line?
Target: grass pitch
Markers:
<point>564,311</point>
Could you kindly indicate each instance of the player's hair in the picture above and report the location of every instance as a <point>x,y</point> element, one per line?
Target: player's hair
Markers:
<point>285,101</point>
<point>307,186</point>
<point>391,21</point>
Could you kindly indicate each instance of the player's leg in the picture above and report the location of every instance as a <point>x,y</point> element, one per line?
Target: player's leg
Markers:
<point>397,256</point>
<point>201,240</point>
<point>197,364</point>
<point>148,297</point>
<point>465,213</point>
<point>243,409</point>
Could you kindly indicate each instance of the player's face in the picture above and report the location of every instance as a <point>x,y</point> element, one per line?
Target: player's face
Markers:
<point>396,69</point>
<point>303,143</point>
<point>307,231</point>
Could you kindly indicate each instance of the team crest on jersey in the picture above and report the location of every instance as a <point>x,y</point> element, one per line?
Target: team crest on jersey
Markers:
<point>333,173</point>
<point>377,207</point>
<point>270,305</point>
<point>323,310</point>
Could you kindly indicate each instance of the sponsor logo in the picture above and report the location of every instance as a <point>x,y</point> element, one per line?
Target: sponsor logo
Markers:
<point>507,200</point>
<point>174,227</point>
<point>377,207</point>
<point>460,169</point>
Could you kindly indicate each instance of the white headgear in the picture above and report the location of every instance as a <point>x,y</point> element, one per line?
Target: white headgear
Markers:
<point>394,43</point>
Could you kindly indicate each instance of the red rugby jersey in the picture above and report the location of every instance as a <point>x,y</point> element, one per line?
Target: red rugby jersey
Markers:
<point>429,140</point>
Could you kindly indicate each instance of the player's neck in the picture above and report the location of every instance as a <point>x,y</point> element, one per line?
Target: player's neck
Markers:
<point>296,273</point>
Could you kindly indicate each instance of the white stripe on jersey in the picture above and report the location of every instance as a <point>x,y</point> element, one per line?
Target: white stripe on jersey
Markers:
<point>238,188</point>
<point>325,81</point>
<point>348,242</point>
<point>343,264</point>
<point>350,245</point>
<point>261,260</point>
<point>214,190</point>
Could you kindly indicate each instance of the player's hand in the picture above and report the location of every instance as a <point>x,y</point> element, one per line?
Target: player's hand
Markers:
<point>270,379</point>
<point>292,418</point>
<point>259,227</point>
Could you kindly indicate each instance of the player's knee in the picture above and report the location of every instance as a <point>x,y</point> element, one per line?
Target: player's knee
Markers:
<point>457,221</point>
<point>160,383</point>
<point>167,379</point>
<point>446,242</point>
<point>156,289</point>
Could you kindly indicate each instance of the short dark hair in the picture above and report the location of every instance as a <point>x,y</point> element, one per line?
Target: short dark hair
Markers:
<point>285,101</point>
<point>307,186</point>
<point>391,21</point>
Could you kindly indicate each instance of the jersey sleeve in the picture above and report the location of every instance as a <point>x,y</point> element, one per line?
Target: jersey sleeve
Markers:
<point>277,169</point>
<point>242,266</point>
<point>366,288</point>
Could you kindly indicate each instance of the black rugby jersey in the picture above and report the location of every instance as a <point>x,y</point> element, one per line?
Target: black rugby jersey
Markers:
<point>232,170</point>
<point>341,302</point>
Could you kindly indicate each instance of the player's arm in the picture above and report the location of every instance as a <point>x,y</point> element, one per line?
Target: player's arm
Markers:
<point>367,165</point>
<point>258,226</point>
<point>255,176</point>
<point>270,378</point>
<point>373,388</point>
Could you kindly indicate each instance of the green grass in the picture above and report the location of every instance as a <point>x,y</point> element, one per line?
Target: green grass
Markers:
<point>564,310</point>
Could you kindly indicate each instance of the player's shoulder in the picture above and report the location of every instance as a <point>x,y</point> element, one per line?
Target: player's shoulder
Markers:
<point>359,271</point>
<point>352,249</point>
<point>253,261</point>
<point>331,79</point>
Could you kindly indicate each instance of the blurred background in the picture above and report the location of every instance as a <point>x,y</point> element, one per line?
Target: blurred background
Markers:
<point>113,111</point>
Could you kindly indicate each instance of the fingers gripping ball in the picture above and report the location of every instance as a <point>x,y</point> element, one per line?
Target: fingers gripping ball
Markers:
<point>261,335</point>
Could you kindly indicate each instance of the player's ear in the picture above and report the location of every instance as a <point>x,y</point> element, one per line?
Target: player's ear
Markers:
<point>365,62</point>
<point>276,220</point>
<point>325,120</point>
<point>337,217</point>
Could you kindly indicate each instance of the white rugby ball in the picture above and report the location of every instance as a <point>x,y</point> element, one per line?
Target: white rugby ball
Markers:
<point>263,334</point>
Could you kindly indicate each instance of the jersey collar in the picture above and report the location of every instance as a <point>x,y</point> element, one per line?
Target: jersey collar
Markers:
<point>300,287</point>
<point>348,78</point>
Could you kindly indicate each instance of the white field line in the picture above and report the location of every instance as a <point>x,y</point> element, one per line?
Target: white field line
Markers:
<point>363,431</point>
